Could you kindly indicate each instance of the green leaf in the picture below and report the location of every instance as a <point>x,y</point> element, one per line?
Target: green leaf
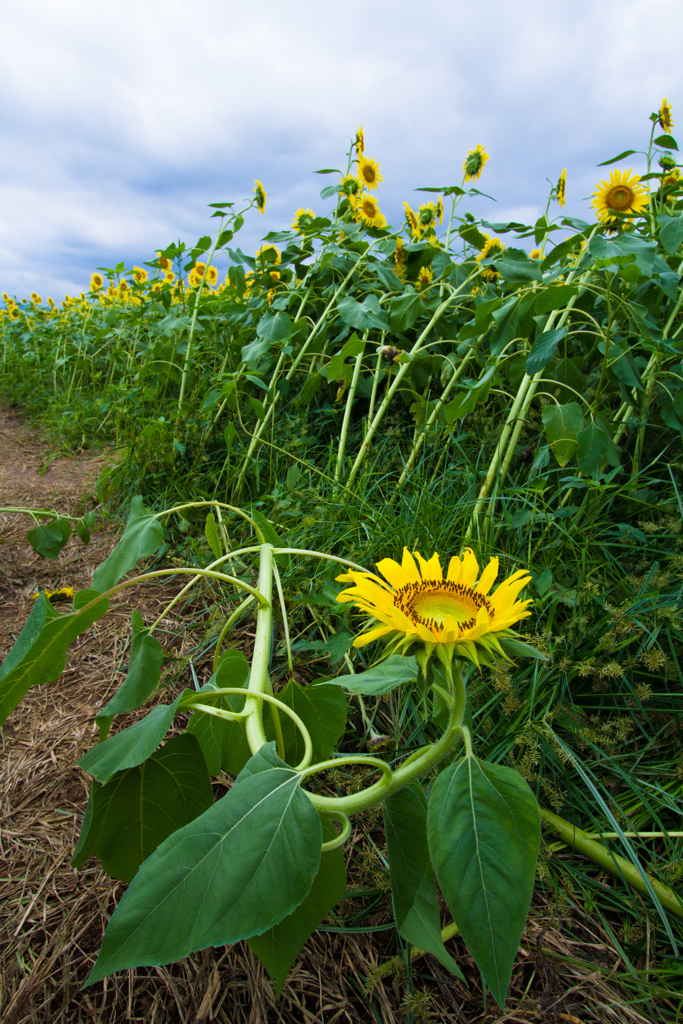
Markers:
<point>484,833</point>
<point>336,646</point>
<point>278,948</point>
<point>139,808</point>
<point>666,142</point>
<point>274,327</point>
<point>142,537</point>
<point>544,349</point>
<point>49,539</point>
<point>671,232</point>
<point>322,709</point>
<point>413,893</point>
<point>386,676</point>
<point>614,159</point>
<point>472,235</point>
<point>403,311</point>
<point>308,391</point>
<point>212,536</point>
<point>515,266</point>
<point>517,647</point>
<point>224,744</point>
<point>466,403</point>
<point>555,297</point>
<point>234,872</point>
<point>562,425</point>
<point>363,315</point>
<point>39,654</point>
<point>271,536</point>
<point>594,448</point>
<point>144,671</point>
<point>131,746</point>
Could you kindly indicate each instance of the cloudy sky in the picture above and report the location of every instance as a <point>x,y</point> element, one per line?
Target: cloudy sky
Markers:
<point>121,121</point>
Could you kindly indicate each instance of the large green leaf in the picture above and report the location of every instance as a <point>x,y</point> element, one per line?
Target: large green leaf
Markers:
<point>544,349</point>
<point>133,745</point>
<point>562,425</point>
<point>322,709</point>
<point>224,744</point>
<point>484,832</point>
<point>144,671</point>
<point>39,654</point>
<point>404,310</point>
<point>140,807</point>
<point>363,315</point>
<point>670,232</point>
<point>594,446</point>
<point>278,948</point>
<point>386,676</point>
<point>413,893</point>
<point>143,536</point>
<point>49,538</point>
<point>235,871</point>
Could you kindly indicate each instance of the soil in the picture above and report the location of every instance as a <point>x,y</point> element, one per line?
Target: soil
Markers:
<point>52,917</point>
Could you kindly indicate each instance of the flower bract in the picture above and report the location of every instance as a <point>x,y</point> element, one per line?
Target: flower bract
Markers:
<point>415,604</point>
<point>475,162</point>
<point>621,194</point>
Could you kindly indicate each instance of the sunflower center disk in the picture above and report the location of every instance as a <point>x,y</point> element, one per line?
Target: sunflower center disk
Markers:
<point>620,198</point>
<point>429,602</point>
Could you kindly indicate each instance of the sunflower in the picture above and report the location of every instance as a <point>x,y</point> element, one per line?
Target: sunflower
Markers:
<point>666,120</point>
<point>417,605</point>
<point>164,263</point>
<point>493,247</point>
<point>360,141</point>
<point>303,221</point>
<point>475,162</point>
<point>368,172</point>
<point>621,194</point>
<point>672,179</point>
<point>157,286</point>
<point>259,197</point>
<point>36,299</point>
<point>265,248</point>
<point>96,282</point>
<point>212,275</point>
<point>194,279</point>
<point>424,278</point>
<point>63,593</point>
<point>561,188</point>
<point>427,216</point>
<point>413,222</point>
<point>169,276</point>
<point>199,269</point>
<point>349,186</point>
<point>439,210</point>
<point>368,211</point>
<point>535,254</point>
<point>51,302</point>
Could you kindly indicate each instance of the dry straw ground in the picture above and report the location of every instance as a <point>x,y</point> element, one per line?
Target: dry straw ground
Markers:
<point>52,917</point>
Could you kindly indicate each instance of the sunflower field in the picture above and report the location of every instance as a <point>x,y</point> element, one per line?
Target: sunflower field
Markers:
<point>434,752</point>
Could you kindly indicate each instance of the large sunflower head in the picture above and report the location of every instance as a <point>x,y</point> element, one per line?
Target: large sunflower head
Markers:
<point>164,263</point>
<point>96,282</point>
<point>303,221</point>
<point>561,188</point>
<point>140,274</point>
<point>368,172</point>
<point>367,210</point>
<point>414,604</point>
<point>259,197</point>
<point>475,162</point>
<point>621,194</point>
<point>665,116</point>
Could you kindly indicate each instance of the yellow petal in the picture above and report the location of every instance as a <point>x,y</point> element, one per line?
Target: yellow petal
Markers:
<point>454,567</point>
<point>431,570</point>
<point>393,572</point>
<point>488,577</point>
<point>470,568</point>
<point>373,634</point>
<point>409,567</point>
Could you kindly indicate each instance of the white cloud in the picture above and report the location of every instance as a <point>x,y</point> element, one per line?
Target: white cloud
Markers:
<point>120,122</point>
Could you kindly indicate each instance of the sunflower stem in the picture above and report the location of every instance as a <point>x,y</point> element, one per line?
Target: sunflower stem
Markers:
<point>347,411</point>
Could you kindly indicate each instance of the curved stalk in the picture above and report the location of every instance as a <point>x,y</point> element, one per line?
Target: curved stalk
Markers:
<point>347,411</point>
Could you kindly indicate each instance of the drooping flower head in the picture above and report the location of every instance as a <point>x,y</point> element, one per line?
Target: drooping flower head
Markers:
<point>412,221</point>
<point>360,141</point>
<point>427,216</point>
<point>561,188</point>
<point>368,172</point>
<point>414,604</point>
<point>367,210</point>
<point>36,299</point>
<point>475,162</point>
<point>492,247</point>
<point>666,120</point>
<point>303,221</point>
<point>621,194</point>
<point>439,210</point>
<point>259,197</point>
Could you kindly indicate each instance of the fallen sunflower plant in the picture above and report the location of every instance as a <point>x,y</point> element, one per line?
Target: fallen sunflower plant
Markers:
<point>264,862</point>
